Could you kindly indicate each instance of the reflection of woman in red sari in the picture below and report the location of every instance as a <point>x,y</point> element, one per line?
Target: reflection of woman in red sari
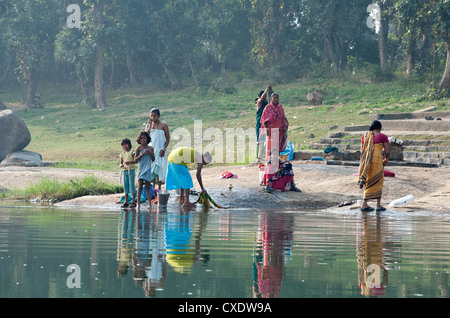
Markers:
<point>277,175</point>
<point>274,244</point>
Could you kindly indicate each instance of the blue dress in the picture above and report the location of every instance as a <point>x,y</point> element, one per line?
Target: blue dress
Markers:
<point>144,170</point>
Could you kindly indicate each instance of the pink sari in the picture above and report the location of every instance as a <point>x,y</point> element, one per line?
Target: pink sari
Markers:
<point>273,120</point>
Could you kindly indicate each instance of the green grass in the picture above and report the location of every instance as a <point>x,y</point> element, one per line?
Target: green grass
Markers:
<point>72,134</point>
<point>49,189</point>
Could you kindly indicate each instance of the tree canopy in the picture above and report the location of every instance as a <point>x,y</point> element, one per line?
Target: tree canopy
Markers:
<point>174,42</point>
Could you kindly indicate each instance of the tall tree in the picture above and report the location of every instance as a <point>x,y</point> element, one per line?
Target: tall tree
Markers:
<point>227,29</point>
<point>270,21</point>
<point>97,31</point>
<point>412,21</point>
<point>175,24</point>
<point>99,80</point>
<point>131,24</point>
<point>74,47</point>
<point>33,25</point>
<point>383,37</point>
<point>443,14</point>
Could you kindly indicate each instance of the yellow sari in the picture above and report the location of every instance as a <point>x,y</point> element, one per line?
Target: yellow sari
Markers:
<point>371,173</point>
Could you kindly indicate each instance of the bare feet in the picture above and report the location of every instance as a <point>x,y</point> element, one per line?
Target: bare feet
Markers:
<point>188,204</point>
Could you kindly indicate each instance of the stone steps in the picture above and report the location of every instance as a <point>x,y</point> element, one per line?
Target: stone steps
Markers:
<point>443,151</point>
<point>421,150</point>
<point>406,125</point>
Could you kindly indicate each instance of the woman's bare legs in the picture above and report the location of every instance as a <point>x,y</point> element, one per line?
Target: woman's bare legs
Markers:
<point>186,202</point>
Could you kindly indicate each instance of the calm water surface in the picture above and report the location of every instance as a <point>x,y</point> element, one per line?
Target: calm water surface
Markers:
<point>220,254</point>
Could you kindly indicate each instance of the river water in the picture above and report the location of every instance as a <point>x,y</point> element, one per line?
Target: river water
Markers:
<point>54,252</point>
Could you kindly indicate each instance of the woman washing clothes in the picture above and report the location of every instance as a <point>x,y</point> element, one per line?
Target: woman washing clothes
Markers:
<point>371,166</point>
<point>178,176</point>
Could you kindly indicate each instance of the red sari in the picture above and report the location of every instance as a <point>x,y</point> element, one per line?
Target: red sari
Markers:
<point>273,120</point>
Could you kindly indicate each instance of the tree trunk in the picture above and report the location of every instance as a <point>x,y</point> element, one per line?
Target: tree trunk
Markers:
<point>342,45</point>
<point>445,81</point>
<point>30,102</point>
<point>81,73</point>
<point>193,72</point>
<point>174,82</point>
<point>330,38</point>
<point>113,71</point>
<point>130,65</point>
<point>99,82</point>
<point>410,57</point>
<point>330,51</point>
<point>383,40</point>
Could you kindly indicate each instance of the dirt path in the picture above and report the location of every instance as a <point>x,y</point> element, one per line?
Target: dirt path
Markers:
<point>323,186</point>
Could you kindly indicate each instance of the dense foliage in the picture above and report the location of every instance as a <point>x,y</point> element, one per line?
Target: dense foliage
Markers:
<point>173,43</point>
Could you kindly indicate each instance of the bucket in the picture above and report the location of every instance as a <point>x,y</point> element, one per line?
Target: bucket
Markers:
<point>163,197</point>
<point>261,173</point>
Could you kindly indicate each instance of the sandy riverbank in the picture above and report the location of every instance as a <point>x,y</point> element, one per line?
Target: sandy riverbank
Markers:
<point>323,187</point>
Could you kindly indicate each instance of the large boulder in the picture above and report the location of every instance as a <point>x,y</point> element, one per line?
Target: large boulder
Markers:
<point>315,98</point>
<point>23,158</point>
<point>14,133</point>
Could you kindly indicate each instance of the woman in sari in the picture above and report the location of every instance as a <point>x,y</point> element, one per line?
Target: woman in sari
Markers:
<point>278,174</point>
<point>371,166</point>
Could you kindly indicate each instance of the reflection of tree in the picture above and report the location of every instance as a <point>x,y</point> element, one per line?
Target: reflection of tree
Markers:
<point>369,251</point>
<point>273,243</point>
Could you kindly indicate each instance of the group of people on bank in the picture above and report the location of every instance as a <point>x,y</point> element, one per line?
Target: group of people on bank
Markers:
<point>152,166</point>
<point>271,134</point>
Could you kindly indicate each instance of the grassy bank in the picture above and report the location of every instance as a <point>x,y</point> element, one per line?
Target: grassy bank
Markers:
<point>48,190</point>
<point>75,134</point>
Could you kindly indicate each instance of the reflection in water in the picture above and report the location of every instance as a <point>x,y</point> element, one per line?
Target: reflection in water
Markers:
<point>179,252</point>
<point>141,245</point>
<point>372,274</point>
<point>125,241</point>
<point>232,253</point>
<point>378,251</point>
<point>274,242</point>
<point>151,240</point>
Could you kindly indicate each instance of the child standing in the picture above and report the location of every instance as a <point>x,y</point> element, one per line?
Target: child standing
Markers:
<point>128,164</point>
<point>159,133</point>
<point>144,156</point>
